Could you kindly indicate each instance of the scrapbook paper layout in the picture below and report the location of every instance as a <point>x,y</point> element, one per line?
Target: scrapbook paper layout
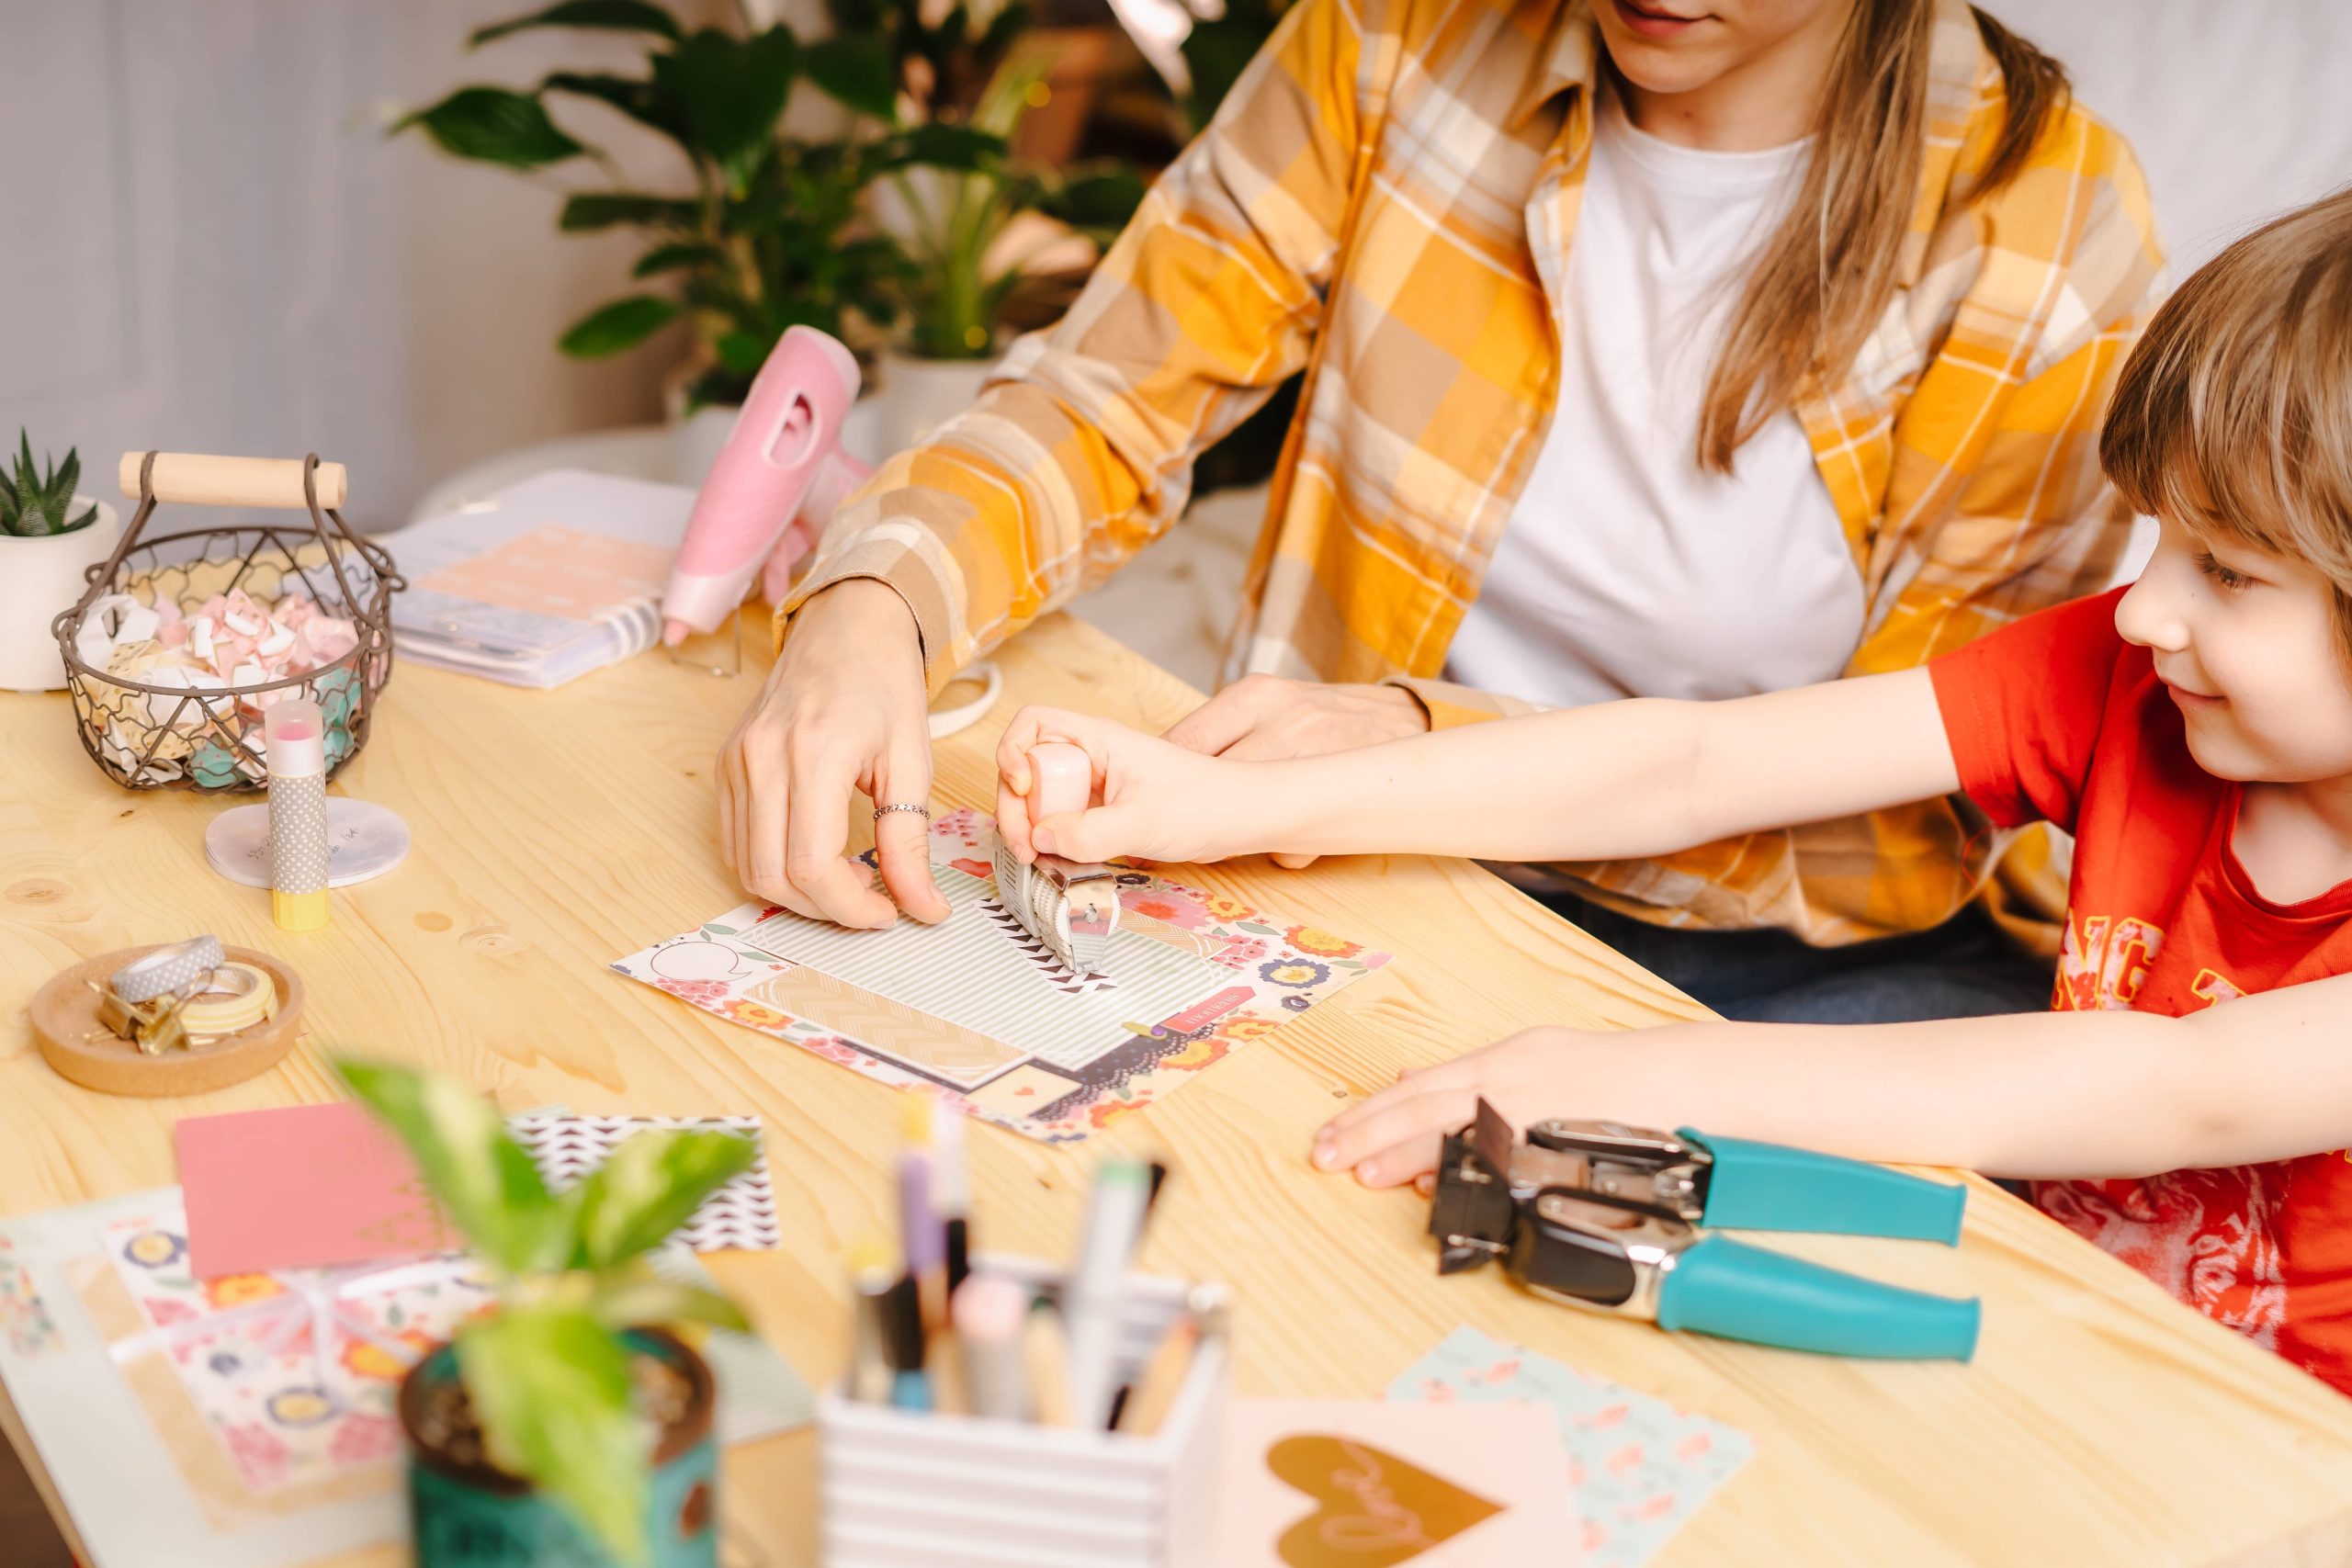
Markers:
<point>976,1012</point>
<point>1638,1466</point>
<point>252,1415</point>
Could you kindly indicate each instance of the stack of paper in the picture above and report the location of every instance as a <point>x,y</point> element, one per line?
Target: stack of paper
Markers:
<point>541,582</point>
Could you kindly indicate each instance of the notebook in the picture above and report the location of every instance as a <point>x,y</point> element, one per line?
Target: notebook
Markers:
<point>541,582</point>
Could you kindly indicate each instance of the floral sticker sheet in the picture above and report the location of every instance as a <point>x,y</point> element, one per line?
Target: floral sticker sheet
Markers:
<point>295,1372</point>
<point>1638,1466</point>
<point>974,1013</point>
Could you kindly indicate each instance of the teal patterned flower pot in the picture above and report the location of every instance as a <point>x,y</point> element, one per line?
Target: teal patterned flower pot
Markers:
<point>471,1515</point>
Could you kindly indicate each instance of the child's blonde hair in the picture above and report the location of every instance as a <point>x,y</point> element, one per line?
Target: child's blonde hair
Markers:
<point>2233,416</point>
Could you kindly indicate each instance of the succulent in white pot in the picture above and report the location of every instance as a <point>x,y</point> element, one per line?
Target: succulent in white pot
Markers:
<point>50,537</point>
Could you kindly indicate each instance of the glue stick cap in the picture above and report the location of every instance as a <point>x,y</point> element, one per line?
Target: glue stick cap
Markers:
<point>294,731</point>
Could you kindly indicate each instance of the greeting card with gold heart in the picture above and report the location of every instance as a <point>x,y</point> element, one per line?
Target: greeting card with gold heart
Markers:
<point>1361,1483</point>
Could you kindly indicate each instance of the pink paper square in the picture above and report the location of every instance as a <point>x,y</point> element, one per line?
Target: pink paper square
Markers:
<point>302,1187</point>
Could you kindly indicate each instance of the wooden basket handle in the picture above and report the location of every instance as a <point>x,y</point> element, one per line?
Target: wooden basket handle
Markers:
<point>195,480</point>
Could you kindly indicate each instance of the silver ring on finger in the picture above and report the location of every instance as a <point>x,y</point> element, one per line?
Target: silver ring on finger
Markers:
<point>882,811</point>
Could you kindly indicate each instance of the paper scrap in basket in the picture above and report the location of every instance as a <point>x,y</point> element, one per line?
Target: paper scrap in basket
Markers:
<point>973,1011</point>
<point>1638,1466</point>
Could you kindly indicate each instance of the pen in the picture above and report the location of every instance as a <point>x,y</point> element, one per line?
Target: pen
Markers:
<point>1095,1297</point>
<point>990,1314</point>
<point>869,1365</point>
<point>919,1230</point>
<point>910,1385</point>
<point>1044,1356</point>
<point>952,1191</point>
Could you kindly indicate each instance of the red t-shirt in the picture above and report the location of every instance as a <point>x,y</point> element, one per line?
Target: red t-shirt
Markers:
<point>2057,719</point>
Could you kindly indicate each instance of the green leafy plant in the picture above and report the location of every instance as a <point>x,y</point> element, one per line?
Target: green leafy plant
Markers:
<point>547,1370</point>
<point>959,216</point>
<point>958,78</point>
<point>770,235</point>
<point>35,501</point>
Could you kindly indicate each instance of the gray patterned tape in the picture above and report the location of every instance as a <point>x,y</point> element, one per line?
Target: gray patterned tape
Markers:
<point>167,969</point>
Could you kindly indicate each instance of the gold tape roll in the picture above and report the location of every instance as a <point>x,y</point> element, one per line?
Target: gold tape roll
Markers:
<point>238,996</point>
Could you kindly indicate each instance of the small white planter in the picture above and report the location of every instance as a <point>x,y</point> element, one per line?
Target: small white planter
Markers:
<point>40,578</point>
<point>917,396</point>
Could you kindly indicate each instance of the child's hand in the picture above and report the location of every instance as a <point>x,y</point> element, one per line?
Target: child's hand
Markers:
<point>1157,800</point>
<point>1394,1136</point>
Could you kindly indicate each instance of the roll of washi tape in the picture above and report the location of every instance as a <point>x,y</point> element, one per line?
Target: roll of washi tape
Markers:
<point>167,969</point>
<point>241,996</point>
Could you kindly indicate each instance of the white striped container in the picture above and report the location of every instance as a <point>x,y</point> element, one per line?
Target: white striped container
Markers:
<point>902,1490</point>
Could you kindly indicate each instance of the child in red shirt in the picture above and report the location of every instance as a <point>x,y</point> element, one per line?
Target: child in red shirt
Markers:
<point>2194,733</point>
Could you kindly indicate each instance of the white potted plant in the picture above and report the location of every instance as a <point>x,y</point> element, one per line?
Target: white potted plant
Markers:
<point>50,537</point>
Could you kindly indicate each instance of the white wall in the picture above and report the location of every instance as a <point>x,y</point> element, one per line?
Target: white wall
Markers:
<point>210,246</point>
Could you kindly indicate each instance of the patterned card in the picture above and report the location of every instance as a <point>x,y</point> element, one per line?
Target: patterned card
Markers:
<point>295,1372</point>
<point>1638,1466</point>
<point>974,1013</point>
<point>25,1322</point>
<point>740,1214</point>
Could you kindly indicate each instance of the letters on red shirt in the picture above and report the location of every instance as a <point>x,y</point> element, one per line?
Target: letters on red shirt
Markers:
<point>2057,719</point>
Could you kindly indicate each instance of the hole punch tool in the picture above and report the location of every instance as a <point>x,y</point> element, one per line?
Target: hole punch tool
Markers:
<point>1072,907</point>
<point>1608,1218</point>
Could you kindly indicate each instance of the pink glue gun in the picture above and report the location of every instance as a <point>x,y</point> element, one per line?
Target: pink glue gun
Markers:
<point>773,488</point>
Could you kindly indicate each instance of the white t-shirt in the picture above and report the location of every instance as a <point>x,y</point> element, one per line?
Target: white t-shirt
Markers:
<point>1626,570</point>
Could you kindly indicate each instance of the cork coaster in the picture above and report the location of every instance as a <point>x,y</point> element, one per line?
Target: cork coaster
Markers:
<point>66,1011</point>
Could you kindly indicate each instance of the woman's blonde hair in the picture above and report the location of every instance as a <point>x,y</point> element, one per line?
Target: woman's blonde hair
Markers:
<point>1825,276</point>
<point>2234,414</point>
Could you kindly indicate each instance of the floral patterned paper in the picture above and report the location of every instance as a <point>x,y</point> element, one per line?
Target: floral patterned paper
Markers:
<point>1638,1466</point>
<point>295,1372</point>
<point>25,1321</point>
<point>1279,968</point>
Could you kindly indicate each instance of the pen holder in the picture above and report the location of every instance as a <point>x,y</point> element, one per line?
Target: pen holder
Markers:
<point>907,1490</point>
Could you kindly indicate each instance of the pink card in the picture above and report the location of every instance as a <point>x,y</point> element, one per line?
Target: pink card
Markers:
<point>302,1187</point>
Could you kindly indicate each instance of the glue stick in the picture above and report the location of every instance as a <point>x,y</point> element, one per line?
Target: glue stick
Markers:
<point>294,733</point>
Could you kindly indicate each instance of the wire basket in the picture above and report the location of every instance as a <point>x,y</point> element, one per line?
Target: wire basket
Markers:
<point>171,730</point>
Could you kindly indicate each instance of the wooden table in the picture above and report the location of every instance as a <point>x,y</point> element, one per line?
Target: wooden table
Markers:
<point>2100,1422</point>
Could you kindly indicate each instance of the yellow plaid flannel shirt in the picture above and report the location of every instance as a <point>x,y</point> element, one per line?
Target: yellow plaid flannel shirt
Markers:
<point>1387,200</point>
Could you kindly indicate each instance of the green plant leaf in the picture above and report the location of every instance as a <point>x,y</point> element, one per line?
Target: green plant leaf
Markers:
<point>954,147</point>
<point>655,1303</point>
<point>734,91</point>
<point>494,125</point>
<point>484,1178</point>
<point>652,1184</point>
<point>1097,200</point>
<point>670,258</point>
<point>854,68</point>
<point>742,352</point>
<point>617,16</point>
<point>622,324</point>
<point>648,103</point>
<point>552,1389</point>
<point>610,208</point>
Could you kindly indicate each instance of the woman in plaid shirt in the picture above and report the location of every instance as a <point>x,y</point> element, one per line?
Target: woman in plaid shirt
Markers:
<point>1944,262</point>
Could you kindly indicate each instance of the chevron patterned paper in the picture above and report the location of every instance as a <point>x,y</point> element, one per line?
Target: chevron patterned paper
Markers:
<point>740,1214</point>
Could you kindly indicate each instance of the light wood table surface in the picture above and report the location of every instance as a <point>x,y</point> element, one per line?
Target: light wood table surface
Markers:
<point>554,831</point>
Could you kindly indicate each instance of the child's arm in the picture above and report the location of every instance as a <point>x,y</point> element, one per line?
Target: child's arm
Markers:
<point>1613,781</point>
<point>2051,1095</point>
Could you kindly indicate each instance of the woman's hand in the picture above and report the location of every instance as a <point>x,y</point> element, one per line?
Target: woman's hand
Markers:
<point>1394,1136</point>
<point>1155,800</point>
<point>843,710</point>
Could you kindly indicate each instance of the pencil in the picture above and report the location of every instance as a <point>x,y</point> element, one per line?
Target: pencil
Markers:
<point>1155,1392</point>
<point>1044,1353</point>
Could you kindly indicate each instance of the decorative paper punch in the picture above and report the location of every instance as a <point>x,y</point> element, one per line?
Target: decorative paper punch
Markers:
<point>1606,1217</point>
<point>1070,905</point>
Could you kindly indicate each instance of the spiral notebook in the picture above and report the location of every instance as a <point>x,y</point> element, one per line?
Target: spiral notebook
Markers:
<point>543,581</point>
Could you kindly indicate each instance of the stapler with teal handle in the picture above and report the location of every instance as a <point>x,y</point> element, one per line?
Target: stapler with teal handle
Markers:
<point>1607,1217</point>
